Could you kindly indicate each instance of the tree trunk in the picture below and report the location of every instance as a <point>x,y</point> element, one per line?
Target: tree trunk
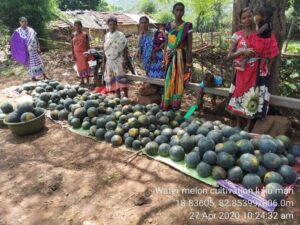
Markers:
<point>278,28</point>
<point>290,33</point>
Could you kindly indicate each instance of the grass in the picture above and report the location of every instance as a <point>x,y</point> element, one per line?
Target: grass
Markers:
<point>294,46</point>
<point>11,69</point>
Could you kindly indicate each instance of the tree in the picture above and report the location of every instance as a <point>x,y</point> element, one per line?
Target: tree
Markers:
<point>163,17</point>
<point>103,6</point>
<point>278,28</point>
<point>78,4</point>
<point>147,7</point>
<point>38,13</point>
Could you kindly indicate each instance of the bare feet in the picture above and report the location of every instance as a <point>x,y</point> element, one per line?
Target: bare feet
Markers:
<point>45,77</point>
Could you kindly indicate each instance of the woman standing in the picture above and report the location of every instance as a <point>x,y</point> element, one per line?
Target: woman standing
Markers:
<point>115,49</point>
<point>25,49</point>
<point>80,44</point>
<point>178,59</point>
<point>249,95</point>
<point>151,45</point>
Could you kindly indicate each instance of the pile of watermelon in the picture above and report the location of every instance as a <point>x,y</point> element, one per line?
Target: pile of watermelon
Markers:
<point>24,112</point>
<point>211,148</point>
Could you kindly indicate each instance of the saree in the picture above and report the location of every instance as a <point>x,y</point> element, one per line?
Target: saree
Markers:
<point>148,43</point>
<point>249,92</point>
<point>79,42</point>
<point>24,49</point>
<point>114,75</point>
<point>175,59</point>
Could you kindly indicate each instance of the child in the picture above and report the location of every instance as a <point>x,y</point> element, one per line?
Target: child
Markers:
<point>264,27</point>
<point>208,81</point>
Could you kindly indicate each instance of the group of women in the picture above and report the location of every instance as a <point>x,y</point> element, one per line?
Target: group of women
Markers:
<point>166,54</point>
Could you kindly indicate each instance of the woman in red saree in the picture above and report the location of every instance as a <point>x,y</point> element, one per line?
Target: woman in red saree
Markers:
<point>249,93</point>
<point>178,59</point>
<point>80,44</point>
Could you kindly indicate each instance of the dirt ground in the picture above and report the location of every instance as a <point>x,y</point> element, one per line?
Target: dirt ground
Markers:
<point>57,177</point>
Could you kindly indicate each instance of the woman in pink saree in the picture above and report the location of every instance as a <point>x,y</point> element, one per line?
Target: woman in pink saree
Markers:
<point>25,49</point>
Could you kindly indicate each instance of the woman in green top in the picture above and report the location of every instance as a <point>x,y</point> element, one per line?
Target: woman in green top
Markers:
<point>178,59</point>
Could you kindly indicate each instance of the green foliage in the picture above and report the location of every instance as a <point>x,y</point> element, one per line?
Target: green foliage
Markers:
<point>163,17</point>
<point>147,6</point>
<point>38,12</point>
<point>289,83</point>
<point>105,7</point>
<point>78,4</point>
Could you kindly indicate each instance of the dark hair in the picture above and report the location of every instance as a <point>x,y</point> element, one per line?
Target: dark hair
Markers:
<point>112,19</point>
<point>22,18</point>
<point>77,22</point>
<point>246,9</point>
<point>144,17</point>
<point>178,4</point>
<point>266,11</point>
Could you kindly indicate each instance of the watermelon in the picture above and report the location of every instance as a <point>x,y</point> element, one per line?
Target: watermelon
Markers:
<point>168,132</point>
<point>210,157</point>
<point>245,146</point>
<point>204,169</point>
<point>245,135</point>
<point>27,116</point>
<point>6,108</point>
<point>235,174</point>
<point>136,145</point>
<point>227,131</point>
<point>261,172</point>
<point>203,130</point>
<point>206,144</point>
<point>235,138</point>
<point>72,93</point>
<point>192,128</point>
<point>216,136</point>
<point>75,122</point>
<point>54,114</point>
<point>273,177</point>
<point>108,135</point>
<point>187,144</point>
<point>116,140</point>
<point>128,141</point>
<point>192,159</point>
<point>267,145</point>
<point>86,125</point>
<point>225,160</point>
<point>295,150</point>
<point>92,130</point>
<point>176,153</point>
<point>274,192</point>
<point>249,163</point>
<point>161,139</point>
<point>288,174</point>
<point>80,113</point>
<point>271,161</point>
<point>291,159</point>
<point>286,140</point>
<point>45,96</point>
<point>145,140</point>
<point>163,149</point>
<point>218,173</point>
<point>230,147</point>
<point>251,181</point>
<point>110,125</point>
<point>24,107</point>
<point>63,114</point>
<point>219,147</point>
